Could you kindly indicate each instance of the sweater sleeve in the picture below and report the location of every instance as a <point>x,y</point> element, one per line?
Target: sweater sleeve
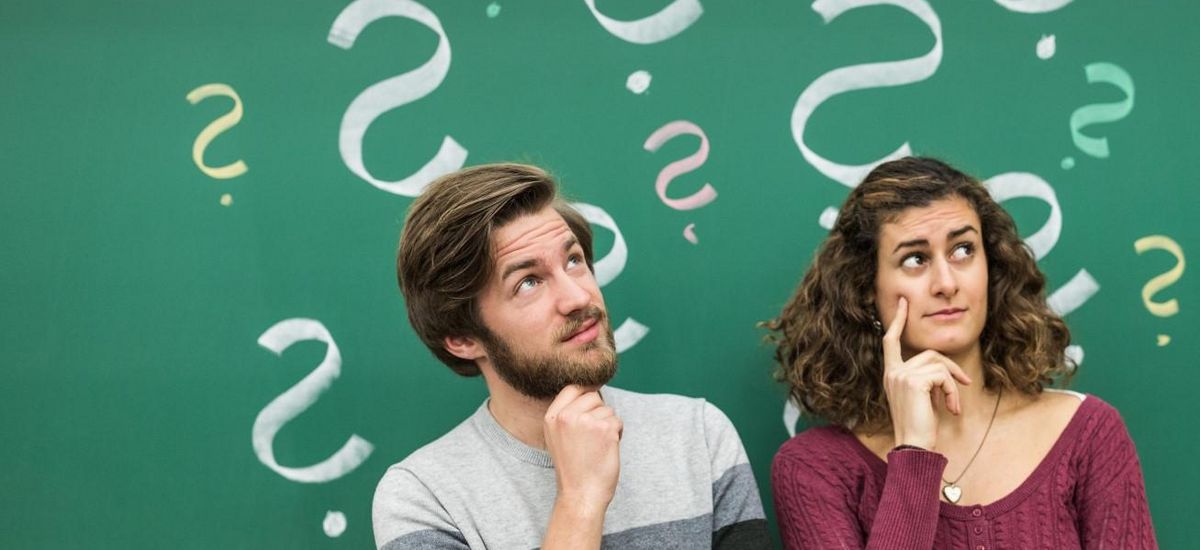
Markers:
<point>814,499</point>
<point>1110,493</point>
<point>738,519</point>
<point>406,514</point>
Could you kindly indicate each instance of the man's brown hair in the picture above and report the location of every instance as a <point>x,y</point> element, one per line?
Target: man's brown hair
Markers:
<point>446,258</point>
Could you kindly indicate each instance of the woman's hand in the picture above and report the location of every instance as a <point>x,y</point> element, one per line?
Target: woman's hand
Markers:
<point>910,386</point>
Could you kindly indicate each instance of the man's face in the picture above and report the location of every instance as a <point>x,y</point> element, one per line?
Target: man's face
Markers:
<point>543,310</point>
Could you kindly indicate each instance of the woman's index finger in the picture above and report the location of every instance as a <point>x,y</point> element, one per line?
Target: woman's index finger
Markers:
<point>891,339</point>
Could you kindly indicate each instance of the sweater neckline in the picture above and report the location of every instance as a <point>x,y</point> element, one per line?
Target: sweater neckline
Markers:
<point>1027,487</point>
<point>495,434</point>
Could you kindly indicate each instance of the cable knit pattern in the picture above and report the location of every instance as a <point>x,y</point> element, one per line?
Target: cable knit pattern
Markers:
<point>1088,492</point>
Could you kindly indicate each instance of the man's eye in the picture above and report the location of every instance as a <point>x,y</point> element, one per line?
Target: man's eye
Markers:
<point>528,283</point>
<point>574,260</point>
<point>912,260</point>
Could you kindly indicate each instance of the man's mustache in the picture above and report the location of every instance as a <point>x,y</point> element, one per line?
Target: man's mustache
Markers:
<point>580,318</point>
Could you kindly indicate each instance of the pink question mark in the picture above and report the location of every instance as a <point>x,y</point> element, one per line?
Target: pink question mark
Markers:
<point>698,199</point>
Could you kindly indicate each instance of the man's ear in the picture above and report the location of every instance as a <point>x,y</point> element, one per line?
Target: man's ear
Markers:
<point>464,347</point>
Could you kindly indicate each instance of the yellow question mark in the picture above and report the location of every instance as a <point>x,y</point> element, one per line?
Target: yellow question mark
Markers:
<point>210,132</point>
<point>1169,307</point>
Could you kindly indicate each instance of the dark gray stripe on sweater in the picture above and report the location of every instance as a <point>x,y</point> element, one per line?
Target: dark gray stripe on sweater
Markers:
<point>735,497</point>
<point>684,533</point>
<point>429,539</point>
<point>746,535</point>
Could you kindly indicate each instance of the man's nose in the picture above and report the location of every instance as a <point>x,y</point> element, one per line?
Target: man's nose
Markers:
<point>573,294</point>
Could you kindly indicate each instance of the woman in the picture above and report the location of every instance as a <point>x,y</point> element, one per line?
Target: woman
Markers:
<point>921,333</point>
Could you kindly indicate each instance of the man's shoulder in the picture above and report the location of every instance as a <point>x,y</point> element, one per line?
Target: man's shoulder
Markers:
<point>666,411</point>
<point>409,507</point>
<point>618,397</point>
<point>458,445</point>
<point>669,423</point>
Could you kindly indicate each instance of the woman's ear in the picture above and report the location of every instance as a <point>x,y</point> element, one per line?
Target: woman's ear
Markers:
<point>874,313</point>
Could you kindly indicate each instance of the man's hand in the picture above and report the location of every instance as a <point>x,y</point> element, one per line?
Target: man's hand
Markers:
<point>583,437</point>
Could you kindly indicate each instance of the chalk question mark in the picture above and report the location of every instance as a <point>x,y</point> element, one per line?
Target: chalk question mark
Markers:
<point>1033,6</point>
<point>673,19</point>
<point>296,400</point>
<point>215,128</point>
<point>1087,115</point>
<point>392,93</point>
<point>860,77</point>
<point>1161,282</point>
<point>700,198</point>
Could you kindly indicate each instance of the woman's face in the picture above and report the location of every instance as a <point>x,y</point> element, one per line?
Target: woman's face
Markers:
<point>933,256</point>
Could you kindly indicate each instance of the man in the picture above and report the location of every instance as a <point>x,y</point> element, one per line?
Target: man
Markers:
<point>497,276</point>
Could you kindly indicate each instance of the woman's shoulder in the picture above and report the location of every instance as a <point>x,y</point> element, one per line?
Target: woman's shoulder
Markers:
<point>1093,427</point>
<point>822,448</point>
<point>1101,422</point>
<point>1086,410</point>
<point>819,436</point>
<point>1099,447</point>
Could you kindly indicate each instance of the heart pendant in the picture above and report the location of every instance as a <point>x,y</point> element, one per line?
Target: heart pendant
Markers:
<point>952,493</point>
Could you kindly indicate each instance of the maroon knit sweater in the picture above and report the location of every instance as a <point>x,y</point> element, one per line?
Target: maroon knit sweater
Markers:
<point>832,492</point>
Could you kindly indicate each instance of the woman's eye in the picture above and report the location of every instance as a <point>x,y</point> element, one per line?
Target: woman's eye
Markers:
<point>963,251</point>
<point>912,260</point>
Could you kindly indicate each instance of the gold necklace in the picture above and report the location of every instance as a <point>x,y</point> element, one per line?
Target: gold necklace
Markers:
<point>951,490</point>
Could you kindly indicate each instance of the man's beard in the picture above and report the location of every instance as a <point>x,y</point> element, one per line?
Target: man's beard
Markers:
<point>542,377</point>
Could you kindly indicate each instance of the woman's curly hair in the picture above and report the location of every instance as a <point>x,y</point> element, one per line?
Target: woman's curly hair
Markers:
<point>829,351</point>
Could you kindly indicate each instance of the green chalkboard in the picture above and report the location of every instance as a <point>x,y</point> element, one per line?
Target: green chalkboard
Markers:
<point>181,177</point>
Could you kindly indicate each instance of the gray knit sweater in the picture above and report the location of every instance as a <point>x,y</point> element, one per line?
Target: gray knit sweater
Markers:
<point>685,483</point>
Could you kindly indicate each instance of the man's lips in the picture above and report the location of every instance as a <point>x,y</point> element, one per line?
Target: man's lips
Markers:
<point>586,332</point>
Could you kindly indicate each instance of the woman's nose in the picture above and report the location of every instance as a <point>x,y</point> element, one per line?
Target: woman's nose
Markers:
<point>944,281</point>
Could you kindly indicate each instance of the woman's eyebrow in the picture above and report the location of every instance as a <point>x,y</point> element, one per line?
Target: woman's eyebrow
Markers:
<point>961,231</point>
<point>912,243</point>
<point>925,242</point>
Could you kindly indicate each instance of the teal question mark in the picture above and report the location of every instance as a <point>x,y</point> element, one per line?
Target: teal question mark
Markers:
<point>1107,73</point>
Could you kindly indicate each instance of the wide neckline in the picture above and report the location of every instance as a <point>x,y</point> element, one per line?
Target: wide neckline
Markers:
<point>1027,487</point>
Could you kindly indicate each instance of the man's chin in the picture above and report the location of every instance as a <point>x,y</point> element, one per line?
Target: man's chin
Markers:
<point>546,379</point>
<point>599,351</point>
<point>592,375</point>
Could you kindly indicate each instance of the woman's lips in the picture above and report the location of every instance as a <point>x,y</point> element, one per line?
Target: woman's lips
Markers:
<point>948,314</point>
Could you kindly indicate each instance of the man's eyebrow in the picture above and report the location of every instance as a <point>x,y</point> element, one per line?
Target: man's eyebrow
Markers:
<point>509,270</point>
<point>513,268</point>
